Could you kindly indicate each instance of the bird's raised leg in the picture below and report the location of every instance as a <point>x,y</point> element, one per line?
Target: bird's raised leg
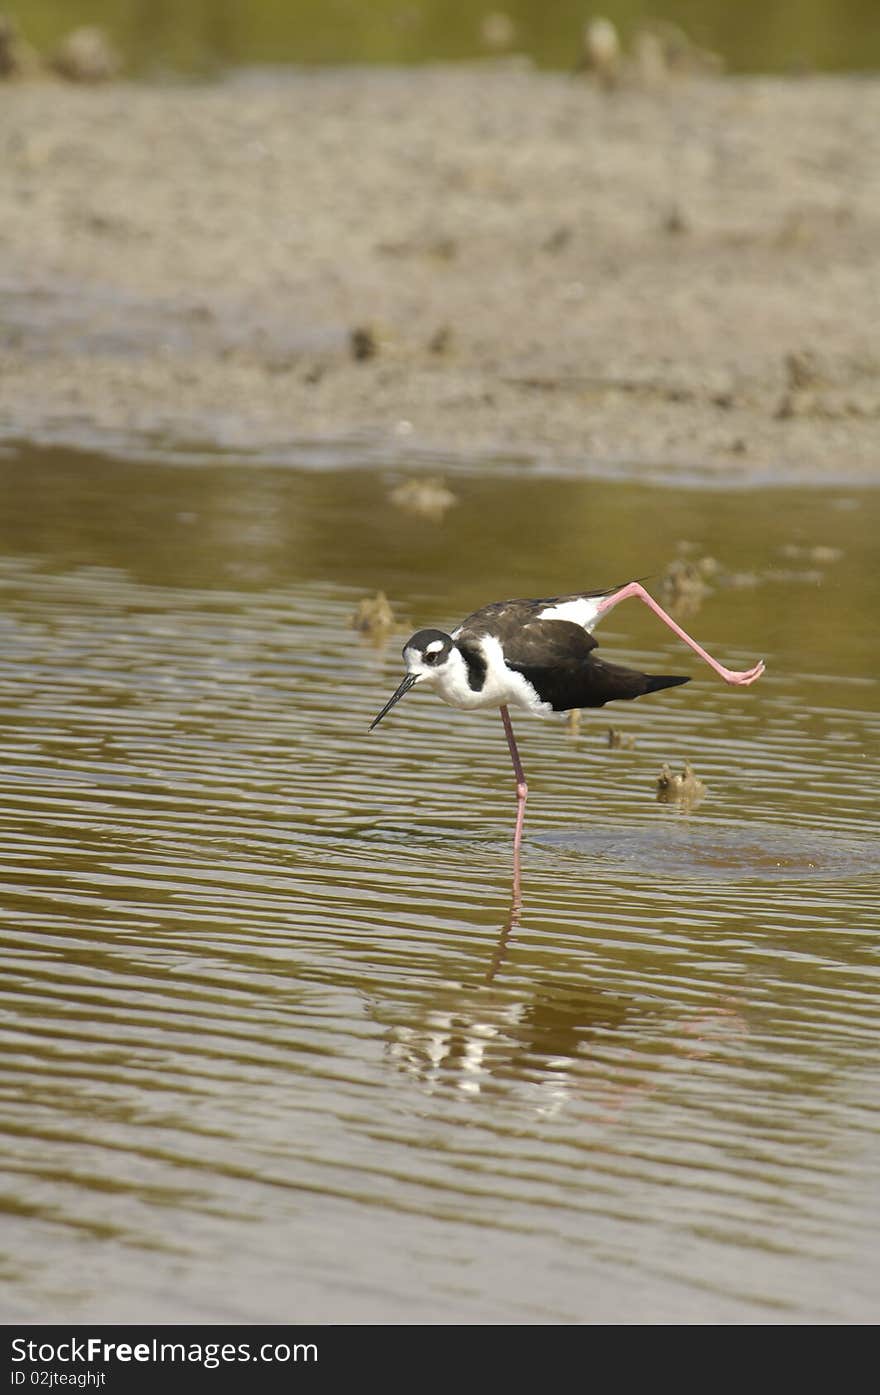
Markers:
<point>637,590</point>
<point>522,791</point>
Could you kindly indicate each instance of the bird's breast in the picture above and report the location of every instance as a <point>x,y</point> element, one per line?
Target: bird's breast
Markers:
<point>489,684</point>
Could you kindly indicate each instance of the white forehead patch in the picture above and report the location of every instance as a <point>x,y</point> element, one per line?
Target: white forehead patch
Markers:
<point>434,647</point>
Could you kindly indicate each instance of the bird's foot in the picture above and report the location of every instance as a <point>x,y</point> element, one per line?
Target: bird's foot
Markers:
<point>742,680</point>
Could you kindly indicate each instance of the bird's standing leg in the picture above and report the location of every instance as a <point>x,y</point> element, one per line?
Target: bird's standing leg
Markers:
<point>522,791</point>
<point>635,589</point>
<point>511,925</point>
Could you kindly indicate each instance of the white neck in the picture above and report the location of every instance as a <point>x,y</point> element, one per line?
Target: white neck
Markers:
<point>501,686</point>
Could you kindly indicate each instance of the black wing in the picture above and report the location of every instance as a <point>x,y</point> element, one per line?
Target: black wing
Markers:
<point>505,618</point>
<point>556,657</point>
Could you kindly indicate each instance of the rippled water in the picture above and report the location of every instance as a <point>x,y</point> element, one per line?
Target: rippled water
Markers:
<point>277,1040</point>
<point>193,35</point>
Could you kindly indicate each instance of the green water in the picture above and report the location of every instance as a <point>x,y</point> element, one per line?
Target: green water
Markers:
<point>202,35</point>
<point>275,1039</point>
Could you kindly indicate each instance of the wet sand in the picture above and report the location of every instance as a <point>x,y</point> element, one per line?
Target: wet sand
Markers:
<point>475,260</point>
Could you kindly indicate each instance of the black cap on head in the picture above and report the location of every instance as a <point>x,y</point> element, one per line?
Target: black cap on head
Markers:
<point>429,642</point>
<point>427,649</point>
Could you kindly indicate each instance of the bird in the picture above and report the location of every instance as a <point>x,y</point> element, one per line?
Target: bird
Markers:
<point>538,656</point>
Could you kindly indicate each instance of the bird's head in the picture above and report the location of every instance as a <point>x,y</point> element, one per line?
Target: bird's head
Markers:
<point>424,656</point>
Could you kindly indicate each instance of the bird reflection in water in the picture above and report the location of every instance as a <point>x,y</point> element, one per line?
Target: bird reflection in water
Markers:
<point>572,1049</point>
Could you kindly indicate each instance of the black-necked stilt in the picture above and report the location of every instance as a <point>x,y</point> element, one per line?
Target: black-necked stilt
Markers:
<point>537,655</point>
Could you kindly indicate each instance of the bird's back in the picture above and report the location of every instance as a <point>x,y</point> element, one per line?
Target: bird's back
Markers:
<point>504,618</point>
<point>548,643</point>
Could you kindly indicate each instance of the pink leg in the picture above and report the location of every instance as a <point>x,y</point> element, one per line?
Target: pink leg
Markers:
<point>635,589</point>
<point>512,924</point>
<point>522,791</point>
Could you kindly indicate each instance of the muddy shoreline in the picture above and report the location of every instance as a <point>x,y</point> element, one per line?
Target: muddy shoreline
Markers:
<point>473,261</point>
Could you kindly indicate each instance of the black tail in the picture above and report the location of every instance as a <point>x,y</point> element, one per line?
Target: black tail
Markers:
<point>598,682</point>
<point>655,681</point>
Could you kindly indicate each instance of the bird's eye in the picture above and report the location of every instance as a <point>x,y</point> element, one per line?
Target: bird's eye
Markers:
<point>431,658</point>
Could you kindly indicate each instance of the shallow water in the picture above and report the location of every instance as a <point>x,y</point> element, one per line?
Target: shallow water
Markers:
<point>278,1044</point>
<point>192,35</point>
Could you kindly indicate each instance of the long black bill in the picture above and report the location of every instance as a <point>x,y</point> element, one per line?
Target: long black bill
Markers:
<point>401,692</point>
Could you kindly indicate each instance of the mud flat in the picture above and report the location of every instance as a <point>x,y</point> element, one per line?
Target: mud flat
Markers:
<point>480,260</point>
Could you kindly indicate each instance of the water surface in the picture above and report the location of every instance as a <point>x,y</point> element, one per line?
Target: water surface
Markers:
<point>190,34</point>
<point>278,1043</point>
